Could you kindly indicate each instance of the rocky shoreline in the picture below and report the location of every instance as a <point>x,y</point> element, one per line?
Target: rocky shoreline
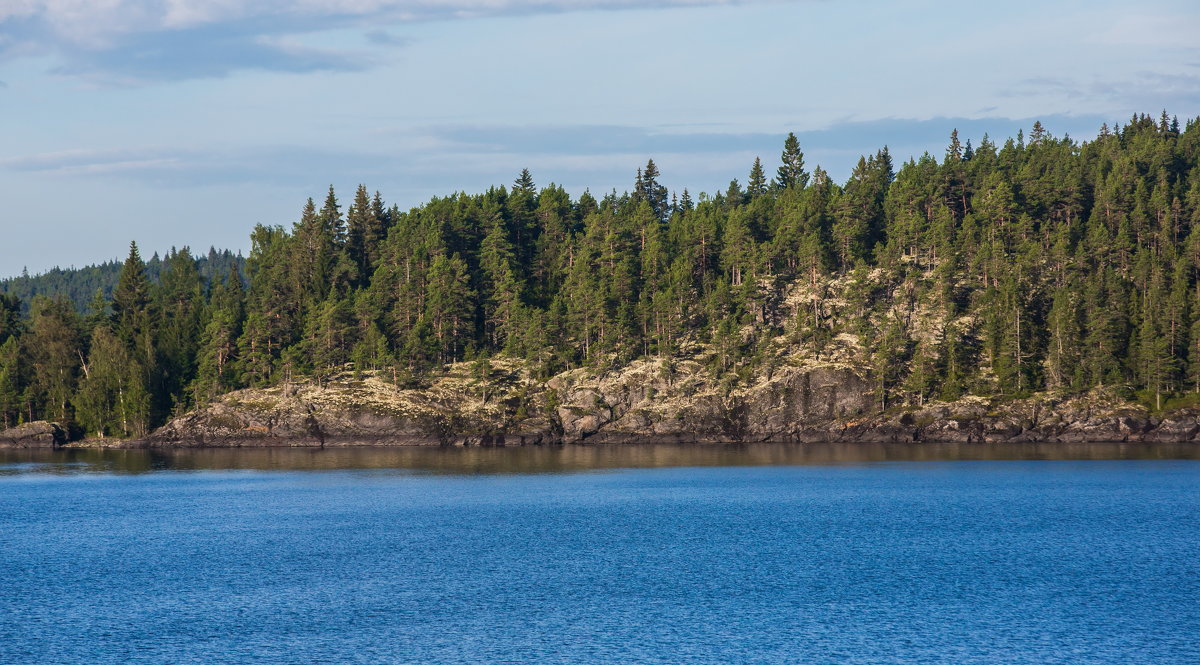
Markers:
<point>37,434</point>
<point>646,402</point>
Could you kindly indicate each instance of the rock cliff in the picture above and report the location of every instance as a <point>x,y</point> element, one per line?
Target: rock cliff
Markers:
<point>646,401</point>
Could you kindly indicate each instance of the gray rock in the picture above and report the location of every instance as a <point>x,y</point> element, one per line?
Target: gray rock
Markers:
<point>37,434</point>
<point>647,402</point>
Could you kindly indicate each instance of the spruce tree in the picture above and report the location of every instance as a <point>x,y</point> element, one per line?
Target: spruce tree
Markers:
<point>757,183</point>
<point>363,234</point>
<point>791,173</point>
<point>647,188</point>
<point>133,309</point>
<point>179,301</point>
<point>524,184</point>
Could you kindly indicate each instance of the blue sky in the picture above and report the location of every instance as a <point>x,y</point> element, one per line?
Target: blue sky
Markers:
<point>186,122</point>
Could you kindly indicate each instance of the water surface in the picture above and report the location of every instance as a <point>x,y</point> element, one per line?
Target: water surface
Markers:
<point>602,555</point>
<point>558,459</point>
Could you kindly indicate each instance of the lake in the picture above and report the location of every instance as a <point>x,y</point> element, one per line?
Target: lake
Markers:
<point>592,554</point>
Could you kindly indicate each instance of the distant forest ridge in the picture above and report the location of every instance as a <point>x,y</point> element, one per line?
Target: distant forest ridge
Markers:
<point>1037,263</point>
<point>79,285</point>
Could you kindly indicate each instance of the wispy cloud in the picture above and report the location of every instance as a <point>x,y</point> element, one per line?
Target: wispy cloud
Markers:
<point>448,158</point>
<point>205,52</point>
<point>861,136</point>
<point>274,165</point>
<point>137,41</point>
<point>1165,90</point>
<point>95,162</point>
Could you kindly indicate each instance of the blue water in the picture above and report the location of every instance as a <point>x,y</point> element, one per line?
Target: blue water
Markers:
<point>914,562</point>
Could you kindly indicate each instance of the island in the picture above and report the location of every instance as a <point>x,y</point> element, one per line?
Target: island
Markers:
<point>1040,289</point>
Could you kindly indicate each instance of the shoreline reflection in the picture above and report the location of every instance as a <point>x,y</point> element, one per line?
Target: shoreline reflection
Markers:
<point>562,458</point>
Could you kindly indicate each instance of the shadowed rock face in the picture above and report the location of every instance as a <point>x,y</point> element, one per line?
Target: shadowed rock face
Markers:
<point>795,400</point>
<point>37,434</point>
<point>646,401</point>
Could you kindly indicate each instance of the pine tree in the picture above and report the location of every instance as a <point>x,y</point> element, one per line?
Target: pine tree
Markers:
<point>112,397</point>
<point>522,208</point>
<point>11,382</point>
<point>648,189</point>
<point>557,221</point>
<point>923,372</point>
<point>133,310</point>
<point>1155,363</point>
<point>758,180</point>
<point>524,184</point>
<point>328,337</point>
<point>216,359</point>
<point>953,353</point>
<point>54,350</point>
<point>791,173</point>
<point>1046,264</point>
<point>10,316</point>
<point>448,306</point>
<point>889,355</point>
<point>500,283</point>
<point>331,219</point>
<point>256,352</point>
<point>179,301</point>
<point>1063,351</point>
<point>1106,329</point>
<point>343,273</point>
<point>954,151</point>
<point>309,265</point>
<point>654,305</point>
<point>738,255</point>
<point>584,293</point>
<point>1193,352</point>
<point>99,312</point>
<point>851,225</point>
<point>371,350</point>
<point>364,232</point>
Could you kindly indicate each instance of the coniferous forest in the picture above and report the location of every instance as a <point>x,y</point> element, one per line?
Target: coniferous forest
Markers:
<point>79,285</point>
<point>1000,269</point>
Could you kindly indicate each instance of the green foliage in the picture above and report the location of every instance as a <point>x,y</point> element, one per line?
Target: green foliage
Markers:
<point>112,399</point>
<point>12,380</point>
<point>1002,269</point>
<point>79,285</point>
<point>791,173</point>
<point>216,357</point>
<point>53,347</point>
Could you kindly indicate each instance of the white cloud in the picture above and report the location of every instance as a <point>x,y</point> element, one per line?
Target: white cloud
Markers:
<point>127,42</point>
<point>92,162</point>
<point>95,23</point>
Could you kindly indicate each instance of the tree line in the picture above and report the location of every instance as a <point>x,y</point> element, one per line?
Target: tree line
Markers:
<point>79,285</point>
<point>1039,263</point>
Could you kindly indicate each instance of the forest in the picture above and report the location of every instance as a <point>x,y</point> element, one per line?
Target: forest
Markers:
<point>999,269</point>
<point>79,285</point>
